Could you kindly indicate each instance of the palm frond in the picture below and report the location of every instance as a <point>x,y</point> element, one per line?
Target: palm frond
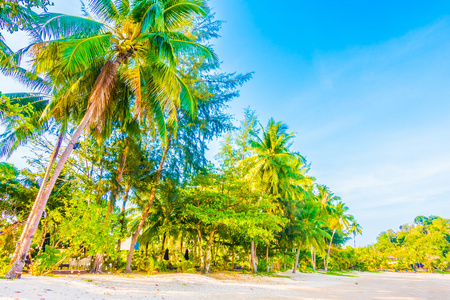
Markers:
<point>59,26</point>
<point>177,11</point>
<point>185,47</point>
<point>123,7</point>
<point>79,54</point>
<point>104,9</point>
<point>188,102</point>
<point>149,14</point>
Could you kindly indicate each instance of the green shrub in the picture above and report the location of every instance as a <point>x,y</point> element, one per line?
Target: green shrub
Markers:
<point>48,259</point>
<point>162,267</point>
<point>191,271</point>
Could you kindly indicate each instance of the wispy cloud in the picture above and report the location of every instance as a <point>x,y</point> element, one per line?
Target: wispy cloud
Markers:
<point>374,123</point>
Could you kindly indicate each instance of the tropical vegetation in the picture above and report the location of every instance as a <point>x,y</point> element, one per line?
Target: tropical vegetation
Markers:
<point>133,93</point>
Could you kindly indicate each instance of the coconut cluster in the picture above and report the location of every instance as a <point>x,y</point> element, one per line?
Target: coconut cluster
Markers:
<point>125,46</point>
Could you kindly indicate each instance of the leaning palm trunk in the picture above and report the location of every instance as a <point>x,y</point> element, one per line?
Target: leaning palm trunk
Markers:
<point>147,208</point>
<point>40,192</point>
<point>101,89</point>
<point>329,250</point>
<point>296,258</point>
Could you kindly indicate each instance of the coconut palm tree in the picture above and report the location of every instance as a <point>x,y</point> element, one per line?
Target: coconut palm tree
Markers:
<point>355,229</point>
<point>273,165</point>
<point>140,42</point>
<point>308,227</point>
<point>338,220</point>
<point>273,168</point>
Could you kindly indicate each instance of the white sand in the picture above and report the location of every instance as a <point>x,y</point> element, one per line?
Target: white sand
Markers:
<point>225,286</point>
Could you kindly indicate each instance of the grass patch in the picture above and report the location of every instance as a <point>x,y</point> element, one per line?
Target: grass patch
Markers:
<point>334,273</point>
<point>270,274</point>
<point>372,271</point>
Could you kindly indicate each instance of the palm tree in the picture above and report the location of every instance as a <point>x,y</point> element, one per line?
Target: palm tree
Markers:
<point>273,167</point>
<point>138,41</point>
<point>355,228</point>
<point>338,220</point>
<point>308,228</point>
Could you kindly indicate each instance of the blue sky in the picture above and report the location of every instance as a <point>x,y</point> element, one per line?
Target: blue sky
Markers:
<point>365,86</point>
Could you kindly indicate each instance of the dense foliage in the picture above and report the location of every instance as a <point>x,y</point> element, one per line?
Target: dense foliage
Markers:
<point>134,93</point>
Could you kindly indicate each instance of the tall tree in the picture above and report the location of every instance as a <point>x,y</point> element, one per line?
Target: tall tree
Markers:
<point>273,166</point>
<point>140,41</point>
<point>355,228</point>
<point>337,220</point>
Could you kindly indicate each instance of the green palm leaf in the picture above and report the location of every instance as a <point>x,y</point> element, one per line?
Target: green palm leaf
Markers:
<point>79,54</point>
<point>150,15</point>
<point>176,11</point>
<point>60,26</point>
<point>104,9</point>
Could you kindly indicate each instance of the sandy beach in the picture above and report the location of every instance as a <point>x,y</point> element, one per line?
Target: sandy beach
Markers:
<point>230,286</point>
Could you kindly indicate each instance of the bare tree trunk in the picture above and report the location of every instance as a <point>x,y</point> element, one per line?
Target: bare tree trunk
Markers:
<point>195,252</point>
<point>233,257</point>
<point>296,258</point>
<point>98,262</point>
<point>208,252</point>
<point>329,250</point>
<point>102,87</point>
<point>267,258</point>
<point>162,246</point>
<point>253,251</point>
<point>200,248</point>
<point>121,169</point>
<point>122,223</point>
<point>147,209</point>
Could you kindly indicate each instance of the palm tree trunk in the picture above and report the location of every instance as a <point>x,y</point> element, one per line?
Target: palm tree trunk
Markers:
<point>147,209</point>
<point>253,252</point>
<point>102,87</point>
<point>267,258</point>
<point>315,259</point>
<point>39,195</point>
<point>41,201</point>
<point>354,239</point>
<point>296,258</point>
<point>329,250</point>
